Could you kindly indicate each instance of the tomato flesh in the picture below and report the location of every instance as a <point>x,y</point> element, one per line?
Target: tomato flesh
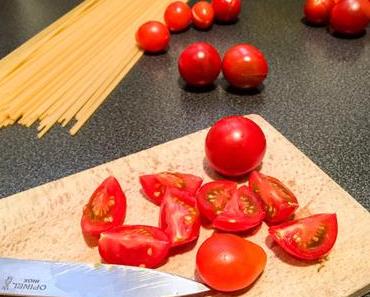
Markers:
<point>227,262</point>
<point>242,212</point>
<point>318,11</point>
<point>179,217</point>
<point>280,203</point>
<point>235,145</point>
<point>106,208</point>
<point>203,15</point>
<point>134,245</point>
<point>155,185</point>
<point>153,37</point>
<point>178,16</point>
<point>309,238</point>
<point>226,10</point>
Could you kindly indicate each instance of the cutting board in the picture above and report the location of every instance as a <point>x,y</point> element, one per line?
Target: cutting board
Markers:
<point>44,222</point>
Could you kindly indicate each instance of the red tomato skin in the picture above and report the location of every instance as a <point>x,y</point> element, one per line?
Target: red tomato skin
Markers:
<point>226,10</point>
<point>178,16</point>
<point>154,185</point>
<point>348,17</point>
<point>233,219</point>
<point>153,37</point>
<point>318,11</point>
<point>179,217</point>
<point>280,209</point>
<point>134,245</point>
<point>244,66</point>
<point>199,64</point>
<point>202,15</point>
<point>109,187</point>
<point>235,145</point>
<point>227,262</point>
<point>289,245</point>
<point>206,208</point>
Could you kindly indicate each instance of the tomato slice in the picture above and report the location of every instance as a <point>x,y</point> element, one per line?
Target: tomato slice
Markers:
<point>280,202</point>
<point>106,208</point>
<point>213,197</point>
<point>309,238</point>
<point>134,245</point>
<point>154,185</point>
<point>243,211</point>
<point>179,217</point>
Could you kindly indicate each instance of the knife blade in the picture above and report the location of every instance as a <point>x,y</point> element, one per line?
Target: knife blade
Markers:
<point>56,279</point>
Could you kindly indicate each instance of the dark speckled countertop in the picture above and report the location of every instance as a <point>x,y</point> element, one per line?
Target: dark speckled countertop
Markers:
<point>317,95</point>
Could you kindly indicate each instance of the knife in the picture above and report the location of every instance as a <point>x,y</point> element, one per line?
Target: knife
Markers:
<point>55,279</point>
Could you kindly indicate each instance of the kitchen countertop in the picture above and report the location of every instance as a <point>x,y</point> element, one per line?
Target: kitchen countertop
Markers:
<point>317,94</point>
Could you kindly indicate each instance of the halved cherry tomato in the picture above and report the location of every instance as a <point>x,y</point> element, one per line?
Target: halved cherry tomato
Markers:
<point>178,16</point>
<point>318,11</point>
<point>227,262</point>
<point>153,37</point>
<point>213,197</point>
<point>235,145</point>
<point>350,17</point>
<point>179,217</point>
<point>135,245</point>
<point>309,238</point>
<point>280,202</point>
<point>106,208</point>
<point>203,15</point>
<point>155,185</point>
<point>226,10</point>
<point>242,212</point>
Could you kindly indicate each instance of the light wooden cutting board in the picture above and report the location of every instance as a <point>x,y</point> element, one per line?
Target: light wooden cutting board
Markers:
<point>44,222</point>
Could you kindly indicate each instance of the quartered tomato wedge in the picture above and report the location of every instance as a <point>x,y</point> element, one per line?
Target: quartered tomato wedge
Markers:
<point>155,185</point>
<point>135,245</point>
<point>309,238</point>
<point>105,209</point>
<point>213,197</point>
<point>179,217</point>
<point>242,212</point>
<point>280,202</point>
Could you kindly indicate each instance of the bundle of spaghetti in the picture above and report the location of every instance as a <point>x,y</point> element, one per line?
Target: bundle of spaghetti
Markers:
<point>67,70</point>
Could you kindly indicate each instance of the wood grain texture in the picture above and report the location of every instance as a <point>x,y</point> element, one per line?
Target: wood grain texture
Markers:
<point>44,222</point>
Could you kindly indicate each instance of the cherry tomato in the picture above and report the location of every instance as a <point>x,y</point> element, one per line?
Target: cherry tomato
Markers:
<point>227,262</point>
<point>199,64</point>
<point>106,208</point>
<point>318,11</point>
<point>203,15</point>
<point>280,202</point>
<point>155,185</point>
<point>134,245</point>
<point>348,17</point>
<point>178,16</point>
<point>153,37</point>
<point>242,212</point>
<point>226,10</point>
<point>213,197</point>
<point>309,238</point>
<point>244,66</point>
<point>179,217</point>
<point>235,145</point>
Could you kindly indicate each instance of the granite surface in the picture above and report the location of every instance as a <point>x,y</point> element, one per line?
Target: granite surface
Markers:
<point>317,94</point>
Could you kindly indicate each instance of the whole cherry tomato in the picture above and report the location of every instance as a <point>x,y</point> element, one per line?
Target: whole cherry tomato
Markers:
<point>235,145</point>
<point>349,17</point>
<point>227,262</point>
<point>153,37</point>
<point>318,11</point>
<point>203,15</point>
<point>244,66</point>
<point>178,16</point>
<point>226,10</point>
<point>199,64</point>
